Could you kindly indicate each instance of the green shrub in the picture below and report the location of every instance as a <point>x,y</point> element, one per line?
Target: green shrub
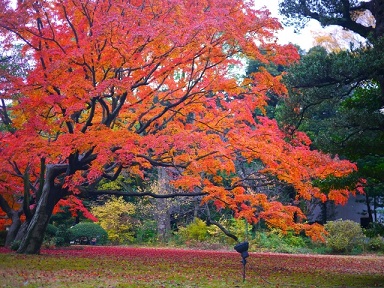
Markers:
<point>146,232</point>
<point>277,241</point>
<point>344,236</point>
<point>197,230</point>
<point>49,236</point>
<point>376,244</point>
<point>62,237</point>
<point>294,240</point>
<point>15,245</point>
<point>89,230</point>
<point>374,229</point>
<point>50,231</point>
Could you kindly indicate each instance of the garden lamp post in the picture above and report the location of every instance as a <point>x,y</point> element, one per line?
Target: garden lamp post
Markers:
<point>242,248</point>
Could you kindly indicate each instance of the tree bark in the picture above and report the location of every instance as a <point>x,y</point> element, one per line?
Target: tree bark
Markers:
<point>13,229</point>
<point>369,210</point>
<point>22,231</point>
<point>34,236</point>
<point>14,215</point>
<point>163,216</point>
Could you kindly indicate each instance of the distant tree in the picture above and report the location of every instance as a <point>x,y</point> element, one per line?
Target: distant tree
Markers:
<point>337,99</point>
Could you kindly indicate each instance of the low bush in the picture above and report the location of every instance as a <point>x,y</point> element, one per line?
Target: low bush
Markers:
<point>197,230</point>
<point>89,230</point>
<point>344,236</point>
<point>62,236</point>
<point>15,245</point>
<point>146,232</point>
<point>374,229</point>
<point>376,244</point>
<point>49,236</point>
<point>276,241</point>
<point>51,230</point>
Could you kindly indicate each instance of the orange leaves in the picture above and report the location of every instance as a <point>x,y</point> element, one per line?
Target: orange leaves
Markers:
<point>138,84</point>
<point>315,231</point>
<point>340,197</point>
<point>292,162</point>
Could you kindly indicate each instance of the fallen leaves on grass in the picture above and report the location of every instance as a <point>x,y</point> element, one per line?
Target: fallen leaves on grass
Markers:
<point>102,266</point>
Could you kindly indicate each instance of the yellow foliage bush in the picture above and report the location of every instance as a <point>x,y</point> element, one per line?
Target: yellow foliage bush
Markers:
<point>115,216</point>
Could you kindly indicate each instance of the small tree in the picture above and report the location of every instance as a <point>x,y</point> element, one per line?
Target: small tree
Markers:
<point>115,216</point>
<point>343,235</point>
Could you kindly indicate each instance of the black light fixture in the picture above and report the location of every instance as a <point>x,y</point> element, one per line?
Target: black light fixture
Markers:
<point>242,248</point>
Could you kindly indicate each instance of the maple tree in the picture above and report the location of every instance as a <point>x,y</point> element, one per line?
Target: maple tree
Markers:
<point>132,85</point>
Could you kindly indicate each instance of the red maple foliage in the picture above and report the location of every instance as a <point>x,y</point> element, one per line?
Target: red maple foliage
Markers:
<point>131,85</point>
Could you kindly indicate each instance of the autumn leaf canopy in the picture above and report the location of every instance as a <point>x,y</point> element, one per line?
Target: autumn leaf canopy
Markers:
<point>132,85</point>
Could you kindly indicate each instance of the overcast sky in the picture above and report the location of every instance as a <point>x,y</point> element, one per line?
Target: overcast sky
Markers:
<point>304,39</point>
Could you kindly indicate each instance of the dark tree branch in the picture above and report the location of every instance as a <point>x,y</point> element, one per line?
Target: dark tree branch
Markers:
<point>5,206</point>
<point>91,115</point>
<point>345,21</point>
<point>139,194</point>
<point>41,178</point>
<point>115,175</point>
<point>26,199</point>
<point>221,227</point>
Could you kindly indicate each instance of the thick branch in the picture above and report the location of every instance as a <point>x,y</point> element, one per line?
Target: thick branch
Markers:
<point>221,227</point>
<point>140,194</point>
<point>345,22</point>
<point>26,200</point>
<point>5,206</point>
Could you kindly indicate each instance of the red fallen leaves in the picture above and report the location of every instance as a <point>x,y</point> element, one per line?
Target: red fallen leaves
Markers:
<point>335,263</point>
<point>104,266</point>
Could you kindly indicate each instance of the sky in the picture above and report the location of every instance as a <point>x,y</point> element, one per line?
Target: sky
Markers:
<point>304,38</point>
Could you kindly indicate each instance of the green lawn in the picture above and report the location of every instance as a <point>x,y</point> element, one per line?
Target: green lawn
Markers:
<point>150,267</point>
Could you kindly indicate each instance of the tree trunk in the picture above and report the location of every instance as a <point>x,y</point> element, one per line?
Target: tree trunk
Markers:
<point>14,215</point>
<point>163,219</point>
<point>324,212</point>
<point>163,216</point>
<point>22,231</point>
<point>34,236</point>
<point>33,239</point>
<point>369,210</point>
<point>13,229</point>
